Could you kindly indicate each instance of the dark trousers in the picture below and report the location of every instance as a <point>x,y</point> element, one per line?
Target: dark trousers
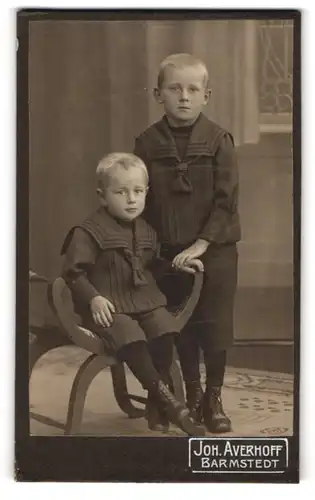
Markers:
<point>211,327</point>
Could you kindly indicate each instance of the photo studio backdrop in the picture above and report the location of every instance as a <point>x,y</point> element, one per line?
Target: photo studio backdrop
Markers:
<point>90,93</point>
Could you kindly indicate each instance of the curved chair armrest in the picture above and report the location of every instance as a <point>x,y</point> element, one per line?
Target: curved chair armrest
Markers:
<point>40,314</point>
<point>60,299</point>
<point>186,309</point>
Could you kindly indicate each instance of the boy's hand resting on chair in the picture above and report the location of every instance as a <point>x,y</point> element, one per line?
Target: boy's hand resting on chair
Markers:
<point>192,266</point>
<point>102,310</point>
<point>191,253</point>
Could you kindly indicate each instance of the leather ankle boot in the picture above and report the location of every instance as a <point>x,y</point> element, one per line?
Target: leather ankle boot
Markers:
<point>215,419</point>
<point>194,398</point>
<point>156,417</point>
<point>176,411</point>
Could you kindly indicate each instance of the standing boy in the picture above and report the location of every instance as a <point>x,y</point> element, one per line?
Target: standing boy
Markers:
<point>192,204</point>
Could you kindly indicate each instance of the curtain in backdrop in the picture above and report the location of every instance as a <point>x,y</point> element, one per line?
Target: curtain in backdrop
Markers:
<point>90,92</point>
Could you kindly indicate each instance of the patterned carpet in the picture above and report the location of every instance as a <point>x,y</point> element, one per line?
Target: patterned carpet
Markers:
<point>258,403</point>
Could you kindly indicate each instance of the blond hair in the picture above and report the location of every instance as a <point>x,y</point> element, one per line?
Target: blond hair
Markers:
<point>114,160</point>
<point>181,60</point>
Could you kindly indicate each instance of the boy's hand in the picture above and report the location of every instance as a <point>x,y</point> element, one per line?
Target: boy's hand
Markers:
<point>192,266</point>
<point>102,310</point>
<point>192,252</point>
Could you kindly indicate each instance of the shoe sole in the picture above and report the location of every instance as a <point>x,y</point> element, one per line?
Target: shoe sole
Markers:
<point>159,428</point>
<point>214,430</point>
<point>188,426</point>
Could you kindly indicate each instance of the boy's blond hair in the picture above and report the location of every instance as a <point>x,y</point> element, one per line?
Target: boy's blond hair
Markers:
<point>181,60</point>
<point>124,160</point>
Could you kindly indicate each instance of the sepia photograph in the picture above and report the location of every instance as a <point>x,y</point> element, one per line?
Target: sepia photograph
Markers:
<point>158,166</point>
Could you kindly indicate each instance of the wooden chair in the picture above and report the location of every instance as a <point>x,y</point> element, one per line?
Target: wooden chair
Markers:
<point>63,329</point>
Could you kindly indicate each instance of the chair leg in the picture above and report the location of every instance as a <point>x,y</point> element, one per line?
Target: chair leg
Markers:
<point>177,380</point>
<point>91,367</point>
<point>121,392</point>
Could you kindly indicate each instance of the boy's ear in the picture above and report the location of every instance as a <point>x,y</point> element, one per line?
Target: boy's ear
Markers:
<point>208,93</point>
<point>157,95</point>
<point>100,194</point>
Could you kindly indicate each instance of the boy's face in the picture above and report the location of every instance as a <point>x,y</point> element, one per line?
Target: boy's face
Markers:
<point>183,94</point>
<point>124,196</point>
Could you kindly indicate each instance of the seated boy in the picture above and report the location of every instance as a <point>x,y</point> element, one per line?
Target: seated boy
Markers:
<point>107,267</point>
